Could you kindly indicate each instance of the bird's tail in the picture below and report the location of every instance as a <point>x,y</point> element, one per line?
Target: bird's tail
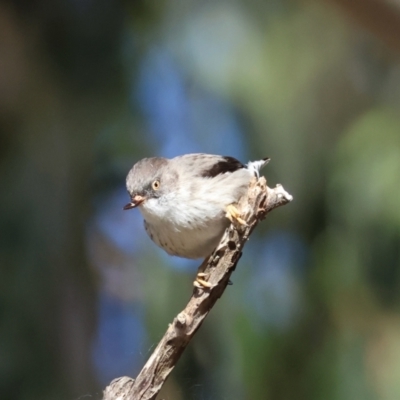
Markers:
<point>256,166</point>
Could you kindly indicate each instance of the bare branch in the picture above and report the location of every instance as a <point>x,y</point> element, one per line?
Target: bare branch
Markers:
<point>254,207</point>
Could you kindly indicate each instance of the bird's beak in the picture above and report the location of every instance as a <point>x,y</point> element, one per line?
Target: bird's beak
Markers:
<point>136,201</point>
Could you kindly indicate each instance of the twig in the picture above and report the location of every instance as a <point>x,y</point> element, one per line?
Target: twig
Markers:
<point>254,207</point>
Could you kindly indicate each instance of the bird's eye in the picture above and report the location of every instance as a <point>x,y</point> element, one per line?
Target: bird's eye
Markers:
<point>155,185</point>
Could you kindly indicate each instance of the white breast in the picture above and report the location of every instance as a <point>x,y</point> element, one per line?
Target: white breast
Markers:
<point>190,221</point>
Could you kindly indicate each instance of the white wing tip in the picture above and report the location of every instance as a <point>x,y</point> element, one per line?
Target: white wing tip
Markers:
<point>256,166</point>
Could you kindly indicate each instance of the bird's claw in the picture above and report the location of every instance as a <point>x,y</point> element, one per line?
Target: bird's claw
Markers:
<point>233,214</point>
<point>200,282</point>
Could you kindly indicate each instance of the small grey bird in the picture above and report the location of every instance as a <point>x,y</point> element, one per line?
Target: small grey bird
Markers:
<point>186,201</point>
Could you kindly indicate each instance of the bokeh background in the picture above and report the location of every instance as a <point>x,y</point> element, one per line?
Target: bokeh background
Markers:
<point>89,87</point>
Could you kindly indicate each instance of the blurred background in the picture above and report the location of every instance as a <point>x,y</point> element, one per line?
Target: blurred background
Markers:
<point>89,87</point>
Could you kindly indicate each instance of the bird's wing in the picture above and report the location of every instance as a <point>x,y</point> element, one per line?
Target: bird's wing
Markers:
<point>210,165</point>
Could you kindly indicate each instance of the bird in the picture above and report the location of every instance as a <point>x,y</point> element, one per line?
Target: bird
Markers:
<point>188,201</point>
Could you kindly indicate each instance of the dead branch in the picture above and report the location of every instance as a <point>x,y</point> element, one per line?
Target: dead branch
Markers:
<point>254,207</point>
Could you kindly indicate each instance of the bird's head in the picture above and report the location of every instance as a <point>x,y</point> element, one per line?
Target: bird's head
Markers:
<point>146,181</point>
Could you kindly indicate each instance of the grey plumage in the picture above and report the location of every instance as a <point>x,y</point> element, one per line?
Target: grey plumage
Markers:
<point>183,200</point>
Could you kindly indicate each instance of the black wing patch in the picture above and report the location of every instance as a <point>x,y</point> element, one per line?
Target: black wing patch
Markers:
<point>226,164</point>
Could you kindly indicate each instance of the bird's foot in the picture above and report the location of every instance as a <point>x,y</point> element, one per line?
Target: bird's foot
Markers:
<point>233,214</point>
<point>201,282</point>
